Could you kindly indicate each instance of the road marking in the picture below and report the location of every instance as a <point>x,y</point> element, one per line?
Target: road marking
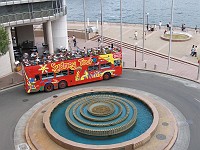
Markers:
<point>2,90</point>
<point>197,100</point>
<point>127,79</point>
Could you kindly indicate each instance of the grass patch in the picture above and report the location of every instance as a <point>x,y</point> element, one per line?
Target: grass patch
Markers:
<point>177,36</point>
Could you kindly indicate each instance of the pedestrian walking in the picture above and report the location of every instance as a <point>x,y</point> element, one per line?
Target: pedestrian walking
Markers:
<point>74,40</point>
<point>165,31</point>
<point>155,27</point>
<point>136,35</point>
<point>73,37</point>
<point>160,24</point>
<point>196,29</point>
<point>193,51</point>
<point>99,41</point>
<point>168,26</point>
<point>183,27</point>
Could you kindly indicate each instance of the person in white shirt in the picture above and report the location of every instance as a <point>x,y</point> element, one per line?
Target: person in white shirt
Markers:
<point>154,27</point>
<point>160,24</point>
<point>136,34</point>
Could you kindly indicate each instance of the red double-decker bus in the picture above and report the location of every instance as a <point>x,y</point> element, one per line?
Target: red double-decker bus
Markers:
<point>69,72</point>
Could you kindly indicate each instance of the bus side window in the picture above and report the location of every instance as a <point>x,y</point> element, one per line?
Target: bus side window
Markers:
<point>96,67</point>
<point>108,65</point>
<point>90,68</point>
<point>59,74</point>
<point>50,75</point>
<point>71,72</point>
<point>47,76</point>
<point>44,76</point>
<point>65,72</point>
<point>103,66</point>
<point>37,77</point>
<point>117,62</point>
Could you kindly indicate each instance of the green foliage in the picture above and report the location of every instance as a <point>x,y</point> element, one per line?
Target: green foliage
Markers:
<point>4,41</point>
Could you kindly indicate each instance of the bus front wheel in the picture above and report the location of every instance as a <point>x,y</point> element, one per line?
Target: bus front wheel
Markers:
<point>62,84</point>
<point>48,87</point>
<point>106,76</point>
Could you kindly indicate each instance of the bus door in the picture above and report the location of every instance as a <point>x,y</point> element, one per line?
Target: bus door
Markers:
<point>71,77</point>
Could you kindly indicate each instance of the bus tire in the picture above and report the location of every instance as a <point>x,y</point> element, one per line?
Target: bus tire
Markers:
<point>48,87</point>
<point>62,84</point>
<point>106,76</point>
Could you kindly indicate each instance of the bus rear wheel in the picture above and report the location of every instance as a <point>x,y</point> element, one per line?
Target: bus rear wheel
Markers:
<point>48,87</point>
<point>62,84</point>
<point>107,76</point>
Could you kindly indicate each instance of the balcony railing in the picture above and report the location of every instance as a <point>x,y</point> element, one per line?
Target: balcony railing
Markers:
<point>13,2</point>
<point>34,16</point>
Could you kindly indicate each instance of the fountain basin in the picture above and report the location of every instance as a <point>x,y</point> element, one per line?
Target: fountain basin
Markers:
<point>109,141</point>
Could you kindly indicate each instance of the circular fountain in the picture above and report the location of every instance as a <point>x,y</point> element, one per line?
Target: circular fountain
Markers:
<point>99,118</point>
<point>109,119</point>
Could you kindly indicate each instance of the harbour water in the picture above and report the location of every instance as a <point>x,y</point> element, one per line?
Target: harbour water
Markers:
<point>185,11</point>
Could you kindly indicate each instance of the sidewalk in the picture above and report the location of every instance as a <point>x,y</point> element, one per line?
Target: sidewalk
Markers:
<point>187,67</point>
<point>180,50</point>
<point>10,80</point>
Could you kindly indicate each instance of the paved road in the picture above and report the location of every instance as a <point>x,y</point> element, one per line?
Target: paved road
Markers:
<point>184,95</point>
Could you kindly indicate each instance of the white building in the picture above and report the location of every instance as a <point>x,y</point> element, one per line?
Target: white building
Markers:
<point>20,16</point>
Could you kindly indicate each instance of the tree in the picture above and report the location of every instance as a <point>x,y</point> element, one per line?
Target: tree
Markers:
<point>4,41</point>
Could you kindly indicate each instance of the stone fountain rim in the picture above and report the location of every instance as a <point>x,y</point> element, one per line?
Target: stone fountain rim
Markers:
<point>176,40</point>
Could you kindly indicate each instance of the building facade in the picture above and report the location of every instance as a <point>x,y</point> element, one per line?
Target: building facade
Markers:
<point>19,18</point>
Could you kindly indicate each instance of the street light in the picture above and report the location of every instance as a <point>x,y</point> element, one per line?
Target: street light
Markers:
<point>170,41</point>
<point>84,20</point>
<point>143,30</point>
<point>147,21</point>
<point>120,25</point>
<point>101,22</point>
<point>135,55</point>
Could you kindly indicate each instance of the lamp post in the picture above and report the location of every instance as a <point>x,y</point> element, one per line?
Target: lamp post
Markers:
<point>135,54</point>
<point>147,21</point>
<point>143,30</point>
<point>84,20</point>
<point>101,22</point>
<point>170,41</point>
<point>120,25</point>
<point>198,74</point>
